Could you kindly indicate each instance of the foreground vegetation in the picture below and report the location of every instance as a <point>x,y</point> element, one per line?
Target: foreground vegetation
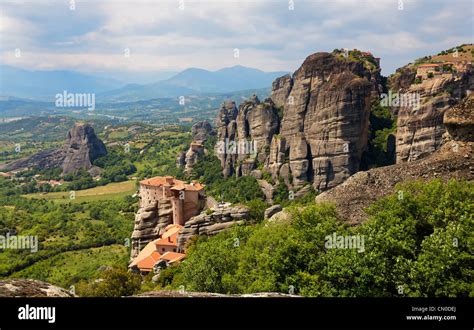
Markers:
<point>417,243</point>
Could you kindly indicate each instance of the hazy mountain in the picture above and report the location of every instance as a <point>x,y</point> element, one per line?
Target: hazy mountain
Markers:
<point>195,81</point>
<point>44,85</point>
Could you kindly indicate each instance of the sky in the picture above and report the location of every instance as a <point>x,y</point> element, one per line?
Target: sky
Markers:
<point>140,36</point>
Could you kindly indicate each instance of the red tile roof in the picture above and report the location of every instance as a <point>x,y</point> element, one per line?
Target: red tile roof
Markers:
<point>429,65</point>
<point>175,184</point>
<point>172,257</point>
<point>149,256</point>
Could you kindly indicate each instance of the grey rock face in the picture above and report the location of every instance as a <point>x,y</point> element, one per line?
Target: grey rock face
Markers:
<point>313,129</point>
<point>200,131</point>
<point>81,149</point>
<point>272,210</point>
<point>220,219</point>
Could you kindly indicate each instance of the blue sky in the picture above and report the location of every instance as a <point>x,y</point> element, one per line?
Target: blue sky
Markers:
<point>161,36</point>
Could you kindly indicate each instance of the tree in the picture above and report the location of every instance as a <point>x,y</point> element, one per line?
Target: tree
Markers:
<point>114,282</point>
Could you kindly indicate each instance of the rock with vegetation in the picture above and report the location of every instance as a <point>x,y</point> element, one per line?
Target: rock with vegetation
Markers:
<point>459,120</point>
<point>211,222</point>
<point>272,210</point>
<point>81,148</point>
<point>453,161</point>
<point>420,125</point>
<point>201,131</point>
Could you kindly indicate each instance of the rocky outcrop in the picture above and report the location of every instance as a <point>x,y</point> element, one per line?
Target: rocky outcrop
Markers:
<point>402,78</point>
<point>312,129</point>
<point>459,120</point>
<point>200,132</point>
<point>244,135</point>
<point>191,157</point>
<point>281,89</point>
<point>420,128</point>
<point>150,222</point>
<point>267,190</point>
<point>454,160</point>
<point>81,148</point>
<point>181,159</point>
<point>31,288</point>
<point>209,224</point>
<point>272,210</point>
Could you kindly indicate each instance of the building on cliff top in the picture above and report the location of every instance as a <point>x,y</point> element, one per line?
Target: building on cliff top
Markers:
<point>187,199</point>
<point>160,252</point>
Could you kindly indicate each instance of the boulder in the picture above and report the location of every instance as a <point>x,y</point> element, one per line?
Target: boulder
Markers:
<point>31,288</point>
<point>269,212</point>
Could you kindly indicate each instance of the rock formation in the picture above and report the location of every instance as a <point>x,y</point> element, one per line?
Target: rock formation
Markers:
<point>459,121</point>
<point>438,82</point>
<point>272,210</point>
<point>210,224</point>
<point>200,132</point>
<point>31,288</point>
<point>81,148</point>
<point>420,128</point>
<point>150,222</point>
<point>313,129</point>
<point>454,160</point>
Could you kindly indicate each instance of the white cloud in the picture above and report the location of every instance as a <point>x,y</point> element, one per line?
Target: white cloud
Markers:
<point>270,37</point>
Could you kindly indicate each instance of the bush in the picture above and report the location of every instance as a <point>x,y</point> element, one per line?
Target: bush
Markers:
<point>115,282</point>
<point>418,241</point>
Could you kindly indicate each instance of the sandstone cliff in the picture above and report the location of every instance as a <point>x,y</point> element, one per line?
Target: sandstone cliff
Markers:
<point>150,222</point>
<point>420,129</point>
<point>314,127</point>
<point>459,121</point>
<point>439,82</point>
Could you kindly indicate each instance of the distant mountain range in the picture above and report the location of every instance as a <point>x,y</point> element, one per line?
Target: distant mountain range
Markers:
<point>44,85</point>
